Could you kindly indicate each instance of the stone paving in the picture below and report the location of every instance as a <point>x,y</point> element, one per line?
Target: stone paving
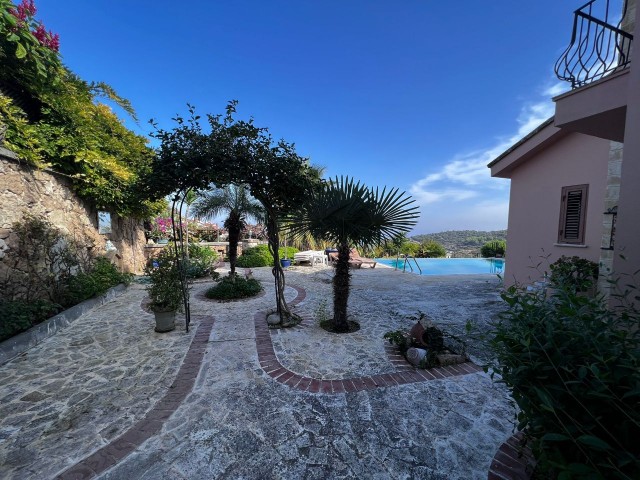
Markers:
<point>80,390</point>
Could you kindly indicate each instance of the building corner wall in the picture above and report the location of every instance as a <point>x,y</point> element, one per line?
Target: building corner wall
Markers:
<point>627,238</point>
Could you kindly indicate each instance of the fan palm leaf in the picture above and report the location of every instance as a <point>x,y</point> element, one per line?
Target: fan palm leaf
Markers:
<point>240,205</point>
<point>348,214</point>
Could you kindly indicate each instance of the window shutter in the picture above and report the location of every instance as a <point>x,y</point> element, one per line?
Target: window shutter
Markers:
<point>573,212</point>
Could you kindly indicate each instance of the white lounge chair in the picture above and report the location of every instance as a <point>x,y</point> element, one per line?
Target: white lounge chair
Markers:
<point>312,256</point>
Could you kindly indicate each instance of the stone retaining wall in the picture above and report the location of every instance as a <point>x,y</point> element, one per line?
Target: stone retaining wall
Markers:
<point>24,189</point>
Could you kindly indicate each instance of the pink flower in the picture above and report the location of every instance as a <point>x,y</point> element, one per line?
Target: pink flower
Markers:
<point>27,9</point>
<point>54,41</point>
<point>40,33</point>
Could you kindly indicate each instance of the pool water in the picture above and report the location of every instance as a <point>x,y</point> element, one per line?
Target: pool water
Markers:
<point>447,266</point>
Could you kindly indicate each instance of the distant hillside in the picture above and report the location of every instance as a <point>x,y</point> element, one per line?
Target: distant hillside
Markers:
<point>463,243</point>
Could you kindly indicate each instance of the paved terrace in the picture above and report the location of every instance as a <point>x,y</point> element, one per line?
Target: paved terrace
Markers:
<point>110,398</point>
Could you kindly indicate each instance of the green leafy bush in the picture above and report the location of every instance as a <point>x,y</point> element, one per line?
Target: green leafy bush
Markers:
<point>573,367</point>
<point>260,256</point>
<point>494,248</point>
<point>19,315</point>
<point>55,119</point>
<point>201,259</point>
<point>233,287</point>
<point>42,261</point>
<point>575,273</point>
<point>101,278</point>
<point>45,271</point>
<point>432,249</point>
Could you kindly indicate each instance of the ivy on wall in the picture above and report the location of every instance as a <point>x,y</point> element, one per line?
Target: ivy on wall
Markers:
<point>53,119</point>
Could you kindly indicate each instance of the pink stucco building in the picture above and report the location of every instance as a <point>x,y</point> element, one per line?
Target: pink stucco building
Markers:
<point>575,180</point>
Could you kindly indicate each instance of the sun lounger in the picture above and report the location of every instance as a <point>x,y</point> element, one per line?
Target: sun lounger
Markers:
<point>355,260</point>
<point>354,255</point>
<point>312,256</point>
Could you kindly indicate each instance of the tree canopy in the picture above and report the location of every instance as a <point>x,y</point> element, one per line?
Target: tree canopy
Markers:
<point>54,120</point>
<point>233,151</point>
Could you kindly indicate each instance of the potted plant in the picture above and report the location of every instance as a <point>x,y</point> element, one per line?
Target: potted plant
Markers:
<point>285,262</point>
<point>165,290</point>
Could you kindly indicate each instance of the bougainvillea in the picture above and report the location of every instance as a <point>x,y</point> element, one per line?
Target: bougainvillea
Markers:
<point>54,120</point>
<point>25,14</point>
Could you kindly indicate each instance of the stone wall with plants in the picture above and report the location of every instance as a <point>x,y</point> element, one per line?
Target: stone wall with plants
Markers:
<point>25,190</point>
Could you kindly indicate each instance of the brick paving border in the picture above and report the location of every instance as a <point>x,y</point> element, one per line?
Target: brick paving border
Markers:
<point>151,424</point>
<point>512,461</point>
<point>405,372</point>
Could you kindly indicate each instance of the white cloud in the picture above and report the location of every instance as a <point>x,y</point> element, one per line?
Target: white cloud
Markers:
<point>425,197</point>
<point>469,170</point>
<point>556,89</point>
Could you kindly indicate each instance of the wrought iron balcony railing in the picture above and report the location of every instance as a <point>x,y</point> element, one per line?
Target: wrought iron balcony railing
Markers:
<point>597,47</point>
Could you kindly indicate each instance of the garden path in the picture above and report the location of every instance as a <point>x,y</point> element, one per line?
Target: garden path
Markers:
<point>61,401</point>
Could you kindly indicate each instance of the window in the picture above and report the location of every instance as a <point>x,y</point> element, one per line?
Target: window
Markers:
<point>104,223</point>
<point>573,213</point>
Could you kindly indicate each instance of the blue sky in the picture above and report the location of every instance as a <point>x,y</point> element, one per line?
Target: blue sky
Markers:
<point>417,94</point>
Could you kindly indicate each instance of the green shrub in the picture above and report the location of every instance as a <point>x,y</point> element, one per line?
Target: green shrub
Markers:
<point>574,272</point>
<point>260,256</point>
<point>101,278</point>
<point>433,249</point>
<point>494,248</point>
<point>287,252</point>
<point>257,256</point>
<point>573,367</point>
<point>232,287</point>
<point>201,260</point>
<point>19,315</point>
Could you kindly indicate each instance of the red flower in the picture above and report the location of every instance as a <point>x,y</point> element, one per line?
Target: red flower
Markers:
<point>40,33</point>
<point>27,9</point>
<point>25,13</point>
<point>54,41</point>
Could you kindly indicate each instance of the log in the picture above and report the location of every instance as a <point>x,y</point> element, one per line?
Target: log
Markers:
<point>415,355</point>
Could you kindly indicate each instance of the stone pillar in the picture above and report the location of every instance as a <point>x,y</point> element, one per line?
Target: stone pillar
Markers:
<point>627,241</point>
<point>612,195</point>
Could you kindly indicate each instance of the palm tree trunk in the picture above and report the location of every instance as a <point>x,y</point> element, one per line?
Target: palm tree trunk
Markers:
<point>233,225</point>
<point>341,290</point>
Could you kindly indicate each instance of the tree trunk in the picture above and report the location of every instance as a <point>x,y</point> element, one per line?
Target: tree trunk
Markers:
<point>186,231</point>
<point>278,274</point>
<point>341,290</point>
<point>233,225</point>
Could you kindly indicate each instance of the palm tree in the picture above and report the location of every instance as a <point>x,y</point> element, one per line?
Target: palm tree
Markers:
<point>350,215</point>
<point>241,206</point>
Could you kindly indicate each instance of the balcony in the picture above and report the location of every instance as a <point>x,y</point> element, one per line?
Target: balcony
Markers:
<point>598,47</point>
<point>596,63</point>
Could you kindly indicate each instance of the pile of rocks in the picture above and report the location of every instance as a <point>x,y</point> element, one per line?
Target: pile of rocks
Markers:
<point>425,347</point>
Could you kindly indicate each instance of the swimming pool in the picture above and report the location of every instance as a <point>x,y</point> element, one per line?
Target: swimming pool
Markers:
<point>448,266</point>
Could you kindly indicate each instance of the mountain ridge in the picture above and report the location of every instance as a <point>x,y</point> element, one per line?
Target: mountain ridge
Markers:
<point>463,242</point>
